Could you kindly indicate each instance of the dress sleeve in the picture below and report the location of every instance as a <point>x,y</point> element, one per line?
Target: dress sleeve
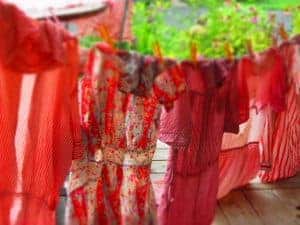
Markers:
<point>237,102</point>
<point>175,121</point>
<point>74,98</point>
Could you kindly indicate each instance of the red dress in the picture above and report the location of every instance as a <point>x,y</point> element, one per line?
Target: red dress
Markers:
<point>39,119</point>
<point>122,95</point>
<point>215,102</point>
<point>242,154</point>
<point>282,133</point>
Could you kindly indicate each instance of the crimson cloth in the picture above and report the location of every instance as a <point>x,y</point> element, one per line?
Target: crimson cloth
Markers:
<point>122,96</point>
<point>215,102</point>
<point>39,118</point>
<point>267,145</point>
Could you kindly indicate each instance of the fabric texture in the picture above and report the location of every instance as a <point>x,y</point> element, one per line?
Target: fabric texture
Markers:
<point>40,125</point>
<point>243,155</point>
<point>282,134</point>
<point>211,105</point>
<point>122,95</point>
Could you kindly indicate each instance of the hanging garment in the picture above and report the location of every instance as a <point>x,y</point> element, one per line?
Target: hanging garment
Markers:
<point>282,132</point>
<point>214,102</point>
<point>39,118</point>
<point>121,98</point>
<point>242,155</point>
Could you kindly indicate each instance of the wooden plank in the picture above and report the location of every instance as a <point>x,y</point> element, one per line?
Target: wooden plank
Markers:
<point>161,154</point>
<point>290,183</point>
<point>270,209</point>
<point>158,167</point>
<point>291,198</point>
<point>237,209</point>
<point>220,218</point>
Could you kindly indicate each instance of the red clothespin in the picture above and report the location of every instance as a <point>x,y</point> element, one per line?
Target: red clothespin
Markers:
<point>229,51</point>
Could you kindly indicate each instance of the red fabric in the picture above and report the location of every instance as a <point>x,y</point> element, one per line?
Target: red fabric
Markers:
<point>237,167</point>
<point>282,133</point>
<point>266,76</point>
<point>267,88</point>
<point>194,129</point>
<point>39,116</point>
<point>122,96</point>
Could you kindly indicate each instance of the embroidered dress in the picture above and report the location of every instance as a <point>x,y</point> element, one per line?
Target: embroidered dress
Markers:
<point>121,98</point>
<point>214,103</point>
<point>39,118</point>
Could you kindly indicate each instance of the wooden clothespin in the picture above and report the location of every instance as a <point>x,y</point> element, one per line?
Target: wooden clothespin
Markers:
<point>274,40</point>
<point>283,33</point>
<point>105,35</point>
<point>157,50</point>
<point>229,51</point>
<point>249,47</point>
<point>193,52</point>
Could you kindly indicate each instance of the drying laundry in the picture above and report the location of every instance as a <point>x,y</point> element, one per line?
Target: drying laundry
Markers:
<point>282,133</point>
<point>122,94</point>
<point>215,102</point>
<point>241,157</point>
<point>39,117</point>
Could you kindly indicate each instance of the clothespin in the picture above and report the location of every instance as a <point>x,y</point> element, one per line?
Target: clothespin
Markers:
<point>229,51</point>
<point>157,50</point>
<point>274,40</point>
<point>193,52</point>
<point>105,35</point>
<point>282,32</point>
<point>249,47</point>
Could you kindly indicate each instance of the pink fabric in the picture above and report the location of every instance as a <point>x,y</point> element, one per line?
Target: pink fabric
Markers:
<point>282,133</point>
<point>237,167</point>
<point>242,154</point>
<point>39,117</point>
<point>194,129</point>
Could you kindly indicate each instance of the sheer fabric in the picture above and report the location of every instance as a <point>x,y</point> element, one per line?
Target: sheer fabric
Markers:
<point>194,129</point>
<point>272,143</point>
<point>122,94</point>
<point>282,133</point>
<point>39,119</point>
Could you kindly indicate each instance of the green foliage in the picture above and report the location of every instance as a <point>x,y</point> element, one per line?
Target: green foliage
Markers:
<point>149,26</point>
<point>204,3</point>
<point>229,23</point>
<point>296,21</point>
<point>89,41</point>
<point>234,25</point>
